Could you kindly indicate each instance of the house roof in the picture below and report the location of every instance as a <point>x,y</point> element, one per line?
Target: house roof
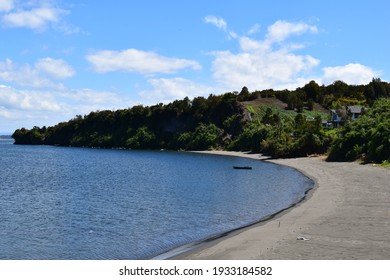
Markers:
<point>355,109</point>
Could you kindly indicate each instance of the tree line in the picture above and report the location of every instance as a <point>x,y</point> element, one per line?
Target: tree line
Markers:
<point>223,122</point>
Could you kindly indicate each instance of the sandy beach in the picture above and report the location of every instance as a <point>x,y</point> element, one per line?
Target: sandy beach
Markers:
<point>346,216</point>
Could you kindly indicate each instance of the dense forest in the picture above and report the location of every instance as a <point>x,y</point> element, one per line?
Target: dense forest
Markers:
<point>280,123</point>
<point>367,138</point>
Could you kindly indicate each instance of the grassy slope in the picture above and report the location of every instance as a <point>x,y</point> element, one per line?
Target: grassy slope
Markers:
<point>260,105</point>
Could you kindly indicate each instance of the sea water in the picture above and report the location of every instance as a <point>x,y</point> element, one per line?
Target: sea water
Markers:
<point>79,203</point>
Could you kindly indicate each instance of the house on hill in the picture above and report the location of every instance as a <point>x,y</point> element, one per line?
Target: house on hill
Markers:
<point>338,117</point>
<point>335,118</point>
<point>354,111</point>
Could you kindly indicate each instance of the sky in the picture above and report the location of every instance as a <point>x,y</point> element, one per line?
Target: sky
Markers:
<point>59,59</point>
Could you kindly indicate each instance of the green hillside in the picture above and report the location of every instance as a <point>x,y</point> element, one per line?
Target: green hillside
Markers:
<point>279,123</point>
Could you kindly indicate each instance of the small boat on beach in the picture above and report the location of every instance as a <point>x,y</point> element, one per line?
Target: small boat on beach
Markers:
<point>242,167</point>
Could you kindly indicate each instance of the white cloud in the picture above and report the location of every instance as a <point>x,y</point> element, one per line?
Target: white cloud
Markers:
<point>167,90</point>
<point>262,64</point>
<point>42,75</point>
<point>95,100</point>
<point>23,75</point>
<point>218,22</point>
<point>56,68</point>
<point>221,24</point>
<point>132,60</point>
<point>6,5</point>
<point>37,15</point>
<point>27,108</point>
<point>250,45</point>
<point>274,63</point>
<point>26,100</point>
<point>259,70</point>
<point>254,29</point>
<point>281,30</point>
<point>353,73</point>
<point>36,19</point>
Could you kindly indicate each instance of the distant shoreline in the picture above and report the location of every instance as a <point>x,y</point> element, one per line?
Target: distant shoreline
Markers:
<point>346,217</point>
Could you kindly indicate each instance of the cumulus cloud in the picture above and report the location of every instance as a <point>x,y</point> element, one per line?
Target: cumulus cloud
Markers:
<point>259,64</point>
<point>221,24</point>
<point>35,15</point>
<point>49,107</point>
<point>56,68</point>
<point>43,74</point>
<point>94,99</point>
<point>133,60</point>
<point>254,29</point>
<point>33,19</point>
<point>353,73</point>
<point>27,100</point>
<point>264,64</point>
<point>274,63</point>
<point>167,90</point>
<point>275,69</point>
<point>281,30</point>
<point>218,22</point>
<point>6,5</point>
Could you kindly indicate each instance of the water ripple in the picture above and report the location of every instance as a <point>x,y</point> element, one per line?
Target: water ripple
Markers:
<point>71,203</point>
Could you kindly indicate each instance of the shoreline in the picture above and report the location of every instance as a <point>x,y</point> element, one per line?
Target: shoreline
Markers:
<point>186,249</point>
<point>345,216</point>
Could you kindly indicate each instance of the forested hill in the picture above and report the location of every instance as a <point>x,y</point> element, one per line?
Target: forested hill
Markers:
<point>281,123</point>
<point>196,124</point>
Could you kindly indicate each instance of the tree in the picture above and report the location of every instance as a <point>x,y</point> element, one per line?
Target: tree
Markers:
<point>376,89</point>
<point>313,91</point>
<point>268,116</point>
<point>206,136</point>
<point>310,104</point>
<point>367,138</point>
<point>300,123</point>
<point>143,139</point>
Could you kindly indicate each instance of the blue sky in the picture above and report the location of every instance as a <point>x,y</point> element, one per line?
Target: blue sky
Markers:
<point>63,58</point>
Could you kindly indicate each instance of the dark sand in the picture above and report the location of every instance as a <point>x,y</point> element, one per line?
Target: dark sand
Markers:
<point>347,216</point>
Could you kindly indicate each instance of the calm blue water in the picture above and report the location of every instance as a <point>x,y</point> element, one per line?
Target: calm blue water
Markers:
<point>73,203</point>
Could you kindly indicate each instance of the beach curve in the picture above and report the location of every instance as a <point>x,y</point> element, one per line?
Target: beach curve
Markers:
<point>345,217</point>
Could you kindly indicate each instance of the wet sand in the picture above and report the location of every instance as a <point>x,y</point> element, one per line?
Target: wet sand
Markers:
<point>346,216</point>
